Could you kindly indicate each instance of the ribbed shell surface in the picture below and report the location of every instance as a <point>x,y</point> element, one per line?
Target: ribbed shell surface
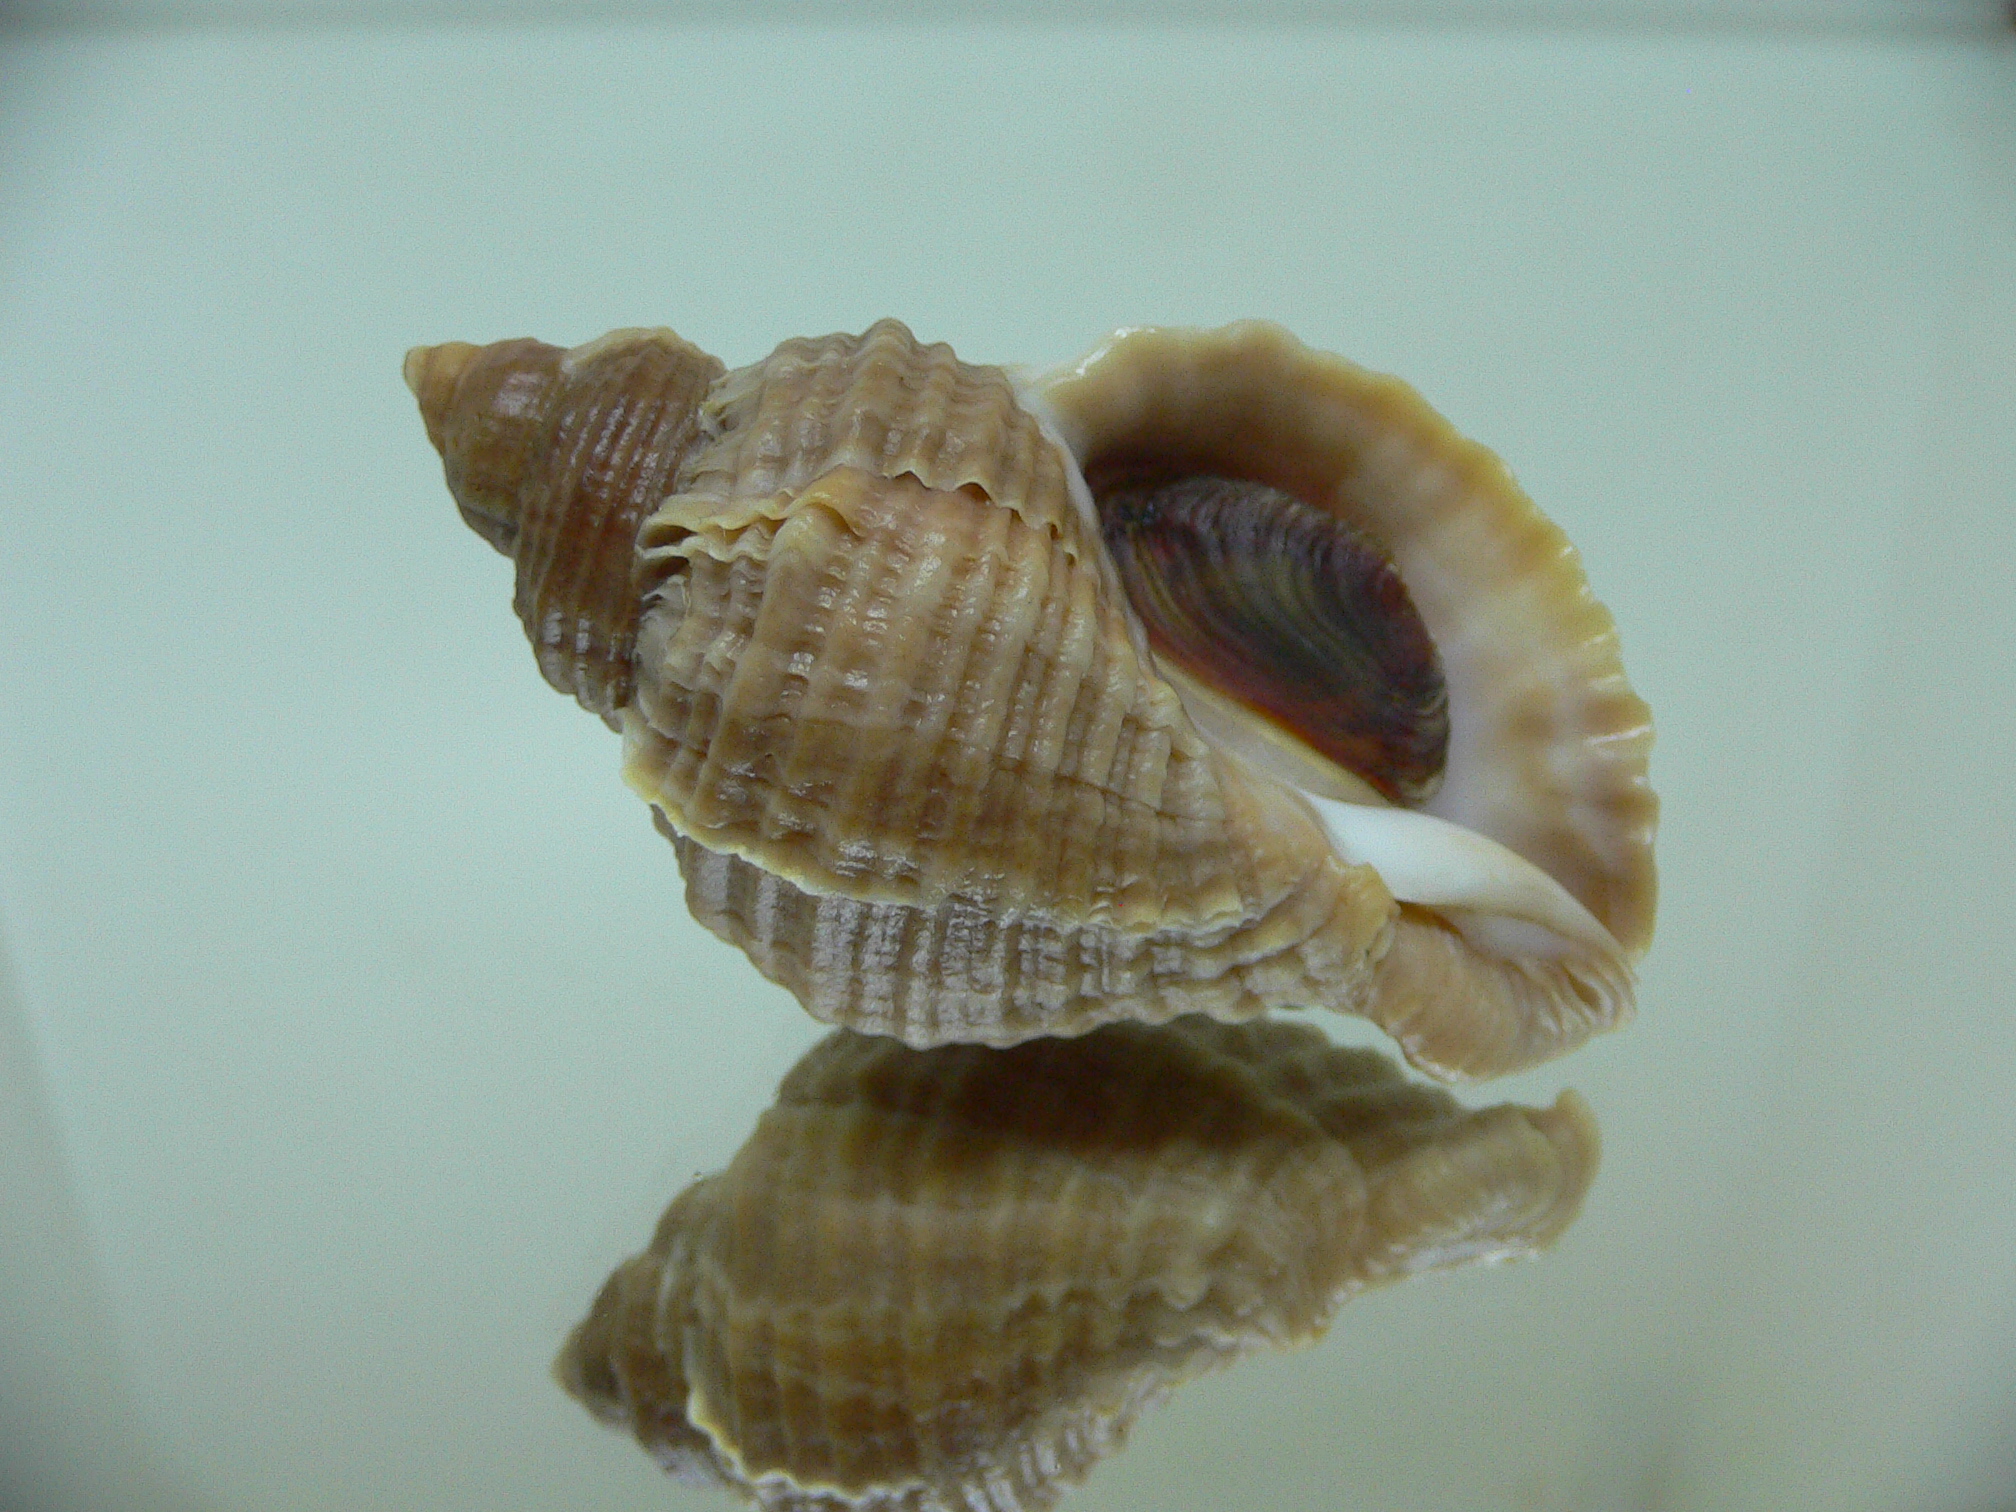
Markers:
<point>953,1278</point>
<point>879,677</point>
<point>554,456</point>
<point>884,665</point>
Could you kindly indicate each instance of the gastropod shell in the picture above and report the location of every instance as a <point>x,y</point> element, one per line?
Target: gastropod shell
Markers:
<point>1209,674</point>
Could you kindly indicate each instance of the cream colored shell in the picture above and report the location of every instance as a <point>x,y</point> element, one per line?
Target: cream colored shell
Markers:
<point>952,1279</point>
<point>851,610</point>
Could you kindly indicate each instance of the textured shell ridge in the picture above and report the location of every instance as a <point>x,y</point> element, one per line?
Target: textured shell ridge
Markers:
<point>884,404</point>
<point>1100,757</point>
<point>964,973</point>
<point>1093,750</point>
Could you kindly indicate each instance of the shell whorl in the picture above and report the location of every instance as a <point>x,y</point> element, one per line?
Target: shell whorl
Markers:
<point>553,457</point>
<point>891,695</point>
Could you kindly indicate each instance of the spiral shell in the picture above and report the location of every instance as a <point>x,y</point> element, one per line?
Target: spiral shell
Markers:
<point>952,1279</point>
<point>881,682</point>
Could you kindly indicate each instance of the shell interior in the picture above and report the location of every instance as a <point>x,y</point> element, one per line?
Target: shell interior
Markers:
<point>1525,874</point>
<point>1287,610</point>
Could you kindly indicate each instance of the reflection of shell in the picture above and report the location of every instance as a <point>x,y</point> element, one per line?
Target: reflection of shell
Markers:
<point>952,1278</point>
<point>878,677</point>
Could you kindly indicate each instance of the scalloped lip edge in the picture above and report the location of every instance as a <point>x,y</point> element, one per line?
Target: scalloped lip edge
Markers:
<point>1611,852</point>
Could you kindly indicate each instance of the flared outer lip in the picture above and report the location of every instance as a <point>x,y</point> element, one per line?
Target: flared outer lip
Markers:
<point>1549,746</point>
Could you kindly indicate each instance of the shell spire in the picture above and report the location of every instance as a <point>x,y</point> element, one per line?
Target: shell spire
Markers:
<point>553,457</point>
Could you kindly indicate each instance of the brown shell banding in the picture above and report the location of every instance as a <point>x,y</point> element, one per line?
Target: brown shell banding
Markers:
<point>884,404</point>
<point>882,665</point>
<point>955,1278</point>
<point>874,667</point>
<point>875,687</point>
<point>554,457</point>
<point>1549,745</point>
<point>959,972</point>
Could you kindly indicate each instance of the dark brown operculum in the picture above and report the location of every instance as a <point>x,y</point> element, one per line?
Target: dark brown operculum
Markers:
<point>554,457</point>
<point>1288,611</point>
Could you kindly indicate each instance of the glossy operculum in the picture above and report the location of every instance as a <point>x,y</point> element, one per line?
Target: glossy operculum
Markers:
<point>553,457</point>
<point>1289,611</point>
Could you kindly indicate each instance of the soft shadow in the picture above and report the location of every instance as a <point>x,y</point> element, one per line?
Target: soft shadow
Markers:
<point>68,1433</point>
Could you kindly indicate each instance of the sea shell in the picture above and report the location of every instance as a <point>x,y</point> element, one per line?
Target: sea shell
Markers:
<point>952,1279</point>
<point>879,677</point>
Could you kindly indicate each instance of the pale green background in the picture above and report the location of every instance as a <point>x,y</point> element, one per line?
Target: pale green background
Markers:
<point>355,1026</point>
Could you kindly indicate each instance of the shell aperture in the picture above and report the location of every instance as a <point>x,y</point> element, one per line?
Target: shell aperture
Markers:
<point>954,1278</point>
<point>1290,611</point>
<point>1534,892</point>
